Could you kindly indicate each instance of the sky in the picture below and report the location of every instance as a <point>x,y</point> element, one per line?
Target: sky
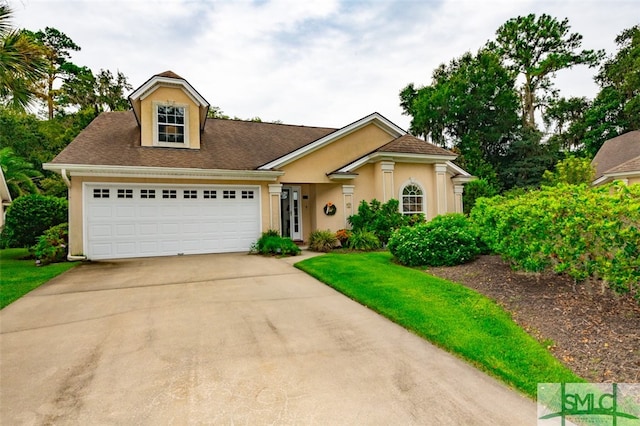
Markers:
<point>320,63</point>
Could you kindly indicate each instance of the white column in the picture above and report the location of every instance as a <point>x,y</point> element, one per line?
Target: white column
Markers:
<point>441,188</point>
<point>387,168</point>
<point>347,199</point>
<point>458,190</point>
<point>275,191</point>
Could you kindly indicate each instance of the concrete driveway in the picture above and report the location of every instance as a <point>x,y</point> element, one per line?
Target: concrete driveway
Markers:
<point>226,339</point>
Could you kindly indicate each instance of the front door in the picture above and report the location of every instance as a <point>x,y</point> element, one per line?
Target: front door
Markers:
<point>291,223</point>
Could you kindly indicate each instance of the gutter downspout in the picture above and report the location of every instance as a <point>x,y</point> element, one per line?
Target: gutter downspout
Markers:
<point>65,178</point>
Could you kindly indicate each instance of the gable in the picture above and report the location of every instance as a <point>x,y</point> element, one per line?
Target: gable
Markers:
<point>314,166</point>
<point>169,111</point>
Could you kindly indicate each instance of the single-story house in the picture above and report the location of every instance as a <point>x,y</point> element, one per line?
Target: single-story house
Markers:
<point>163,179</point>
<point>619,159</point>
<point>5,197</point>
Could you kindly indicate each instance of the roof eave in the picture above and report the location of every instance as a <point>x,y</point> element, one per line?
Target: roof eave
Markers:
<point>398,157</point>
<point>374,118</point>
<point>162,172</point>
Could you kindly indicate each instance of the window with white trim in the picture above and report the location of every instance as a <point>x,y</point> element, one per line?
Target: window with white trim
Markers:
<point>171,125</point>
<point>228,194</point>
<point>412,200</point>
<point>247,195</point>
<point>210,194</point>
<point>147,193</point>
<point>190,194</point>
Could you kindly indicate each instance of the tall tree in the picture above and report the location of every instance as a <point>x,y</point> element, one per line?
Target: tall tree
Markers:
<point>102,92</point>
<point>21,63</point>
<point>535,48</point>
<point>470,106</point>
<point>565,118</point>
<point>18,173</point>
<point>58,47</point>
<point>616,108</point>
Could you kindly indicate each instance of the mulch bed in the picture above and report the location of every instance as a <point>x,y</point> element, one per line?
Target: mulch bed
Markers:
<point>595,333</point>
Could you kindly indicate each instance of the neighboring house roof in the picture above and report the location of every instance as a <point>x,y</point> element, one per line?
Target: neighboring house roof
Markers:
<point>5,195</point>
<point>619,155</point>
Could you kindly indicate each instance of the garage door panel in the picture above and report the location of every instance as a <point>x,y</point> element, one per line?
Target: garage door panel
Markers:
<point>157,220</point>
<point>147,211</point>
<point>127,212</point>
<point>125,230</point>
<point>101,211</point>
<point>146,229</point>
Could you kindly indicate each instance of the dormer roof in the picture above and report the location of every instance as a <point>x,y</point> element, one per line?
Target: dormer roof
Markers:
<point>168,79</point>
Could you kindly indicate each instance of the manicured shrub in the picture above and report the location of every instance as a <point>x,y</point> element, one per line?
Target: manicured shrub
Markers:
<point>585,232</point>
<point>52,245</point>
<point>364,241</point>
<point>323,241</point>
<point>29,216</point>
<point>271,242</point>
<point>444,241</point>
<point>381,219</point>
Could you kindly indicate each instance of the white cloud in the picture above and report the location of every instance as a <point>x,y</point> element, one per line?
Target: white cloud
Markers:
<point>324,63</point>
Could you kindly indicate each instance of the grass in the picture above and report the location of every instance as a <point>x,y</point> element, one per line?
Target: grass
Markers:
<point>452,316</point>
<point>18,276</point>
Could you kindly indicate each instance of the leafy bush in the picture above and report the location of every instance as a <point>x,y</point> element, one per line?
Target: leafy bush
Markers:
<point>585,232</point>
<point>29,216</point>
<point>271,242</point>
<point>52,245</point>
<point>364,241</point>
<point>381,219</point>
<point>323,241</point>
<point>444,241</point>
<point>474,190</point>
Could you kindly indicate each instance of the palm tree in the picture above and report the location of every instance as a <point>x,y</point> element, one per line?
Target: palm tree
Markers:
<point>22,63</point>
<point>18,173</point>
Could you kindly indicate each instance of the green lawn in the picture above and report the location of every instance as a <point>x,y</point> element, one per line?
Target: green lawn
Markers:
<point>450,315</point>
<point>18,277</point>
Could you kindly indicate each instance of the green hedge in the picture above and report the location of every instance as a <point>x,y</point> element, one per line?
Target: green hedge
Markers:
<point>585,232</point>
<point>446,240</point>
<point>29,216</point>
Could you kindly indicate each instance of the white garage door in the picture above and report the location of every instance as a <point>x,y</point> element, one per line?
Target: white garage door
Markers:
<point>163,220</point>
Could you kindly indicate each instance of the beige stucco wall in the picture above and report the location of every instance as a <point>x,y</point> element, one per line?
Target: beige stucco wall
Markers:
<point>313,168</point>
<point>166,95</point>
<point>634,179</point>
<point>76,229</point>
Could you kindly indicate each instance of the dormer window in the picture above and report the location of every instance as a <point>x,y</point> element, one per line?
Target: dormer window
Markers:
<point>170,127</point>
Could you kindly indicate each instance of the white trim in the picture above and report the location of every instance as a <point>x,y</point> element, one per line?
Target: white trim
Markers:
<point>458,169</point>
<point>185,125</point>
<point>412,181</point>
<point>87,194</point>
<point>615,176</point>
<point>163,172</point>
<point>5,195</point>
<point>396,157</point>
<point>374,118</point>
<point>154,82</point>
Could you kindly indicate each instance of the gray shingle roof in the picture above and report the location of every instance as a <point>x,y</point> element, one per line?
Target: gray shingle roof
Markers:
<point>616,152</point>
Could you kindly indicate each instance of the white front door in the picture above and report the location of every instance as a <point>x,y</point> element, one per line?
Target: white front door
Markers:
<point>291,221</point>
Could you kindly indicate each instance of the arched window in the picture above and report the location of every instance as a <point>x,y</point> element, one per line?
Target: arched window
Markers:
<point>412,199</point>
